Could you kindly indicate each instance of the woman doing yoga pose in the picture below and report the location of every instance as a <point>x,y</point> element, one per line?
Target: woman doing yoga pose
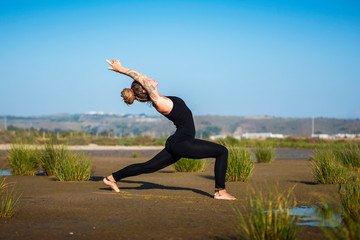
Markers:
<point>181,144</point>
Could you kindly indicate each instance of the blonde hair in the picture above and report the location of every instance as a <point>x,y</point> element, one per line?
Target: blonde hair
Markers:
<point>135,92</point>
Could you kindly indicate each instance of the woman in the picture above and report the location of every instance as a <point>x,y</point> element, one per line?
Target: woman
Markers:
<point>181,144</point>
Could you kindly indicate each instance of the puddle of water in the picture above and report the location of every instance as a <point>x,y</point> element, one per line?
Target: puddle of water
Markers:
<point>5,172</point>
<point>8,173</point>
<point>40,173</point>
<point>317,216</point>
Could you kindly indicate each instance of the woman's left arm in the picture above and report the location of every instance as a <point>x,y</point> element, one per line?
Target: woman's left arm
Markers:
<point>137,76</point>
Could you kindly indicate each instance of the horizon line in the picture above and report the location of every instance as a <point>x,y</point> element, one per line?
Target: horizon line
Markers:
<point>100,113</point>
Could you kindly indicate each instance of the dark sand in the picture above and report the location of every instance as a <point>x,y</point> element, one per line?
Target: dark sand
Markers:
<point>162,205</point>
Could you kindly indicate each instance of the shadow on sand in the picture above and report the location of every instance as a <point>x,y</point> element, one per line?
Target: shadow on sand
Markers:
<point>305,182</point>
<point>210,177</point>
<point>226,238</point>
<point>150,185</point>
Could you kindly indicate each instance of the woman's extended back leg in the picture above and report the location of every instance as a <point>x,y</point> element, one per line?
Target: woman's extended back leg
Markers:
<point>159,161</point>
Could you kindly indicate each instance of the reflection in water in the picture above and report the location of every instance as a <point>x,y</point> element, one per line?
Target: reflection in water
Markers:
<point>5,172</point>
<point>317,216</point>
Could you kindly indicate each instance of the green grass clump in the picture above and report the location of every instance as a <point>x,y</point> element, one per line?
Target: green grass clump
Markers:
<point>264,153</point>
<point>9,199</point>
<point>73,167</point>
<point>49,156</point>
<point>350,200</point>
<point>327,169</point>
<point>349,229</point>
<point>135,155</point>
<point>346,231</point>
<point>189,165</point>
<point>348,155</point>
<point>2,183</point>
<point>269,217</point>
<point>240,165</point>
<point>23,160</point>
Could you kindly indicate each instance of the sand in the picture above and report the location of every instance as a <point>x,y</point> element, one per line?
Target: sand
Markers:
<point>161,205</point>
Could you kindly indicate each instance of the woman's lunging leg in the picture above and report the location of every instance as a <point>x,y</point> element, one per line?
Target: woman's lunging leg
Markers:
<point>159,161</point>
<point>197,148</point>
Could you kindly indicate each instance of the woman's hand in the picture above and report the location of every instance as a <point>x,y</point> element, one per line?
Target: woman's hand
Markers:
<point>116,66</point>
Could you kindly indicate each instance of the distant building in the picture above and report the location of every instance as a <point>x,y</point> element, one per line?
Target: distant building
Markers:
<point>142,119</point>
<point>251,136</point>
<point>91,113</point>
<point>277,135</point>
<point>217,137</point>
<point>261,135</point>
<point>338,135</point>
<point>345,135</point>
<point>321,135</point>
<point>95,113</point>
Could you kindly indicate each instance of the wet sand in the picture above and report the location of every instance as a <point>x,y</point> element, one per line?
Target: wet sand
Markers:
<point>161,205</point>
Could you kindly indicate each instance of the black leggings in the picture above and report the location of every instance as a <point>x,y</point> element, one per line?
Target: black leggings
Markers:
<point>192,148</point>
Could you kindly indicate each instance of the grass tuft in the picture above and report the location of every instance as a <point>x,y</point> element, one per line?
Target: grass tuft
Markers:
<point>73,167</point>
<point>264,153</point>
<point>189,165</point>
<point>350,200</point>
<point>349,155</point>
<point>49,156</point>
<point>327,169</point>
<point>22,160</point>
<point>9,199</point>
<point>349,229</point>
<point>269,217</point>
<point>240,165</point>
<point>3,183</point>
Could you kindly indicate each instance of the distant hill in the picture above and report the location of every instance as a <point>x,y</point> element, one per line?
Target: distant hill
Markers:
<point>123,125</point>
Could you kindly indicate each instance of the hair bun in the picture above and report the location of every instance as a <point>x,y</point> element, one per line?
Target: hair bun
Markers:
<point>128,95</point>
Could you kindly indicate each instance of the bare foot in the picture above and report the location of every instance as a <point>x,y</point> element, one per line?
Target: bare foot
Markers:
<point>110,181</point>
<point>223,195</point>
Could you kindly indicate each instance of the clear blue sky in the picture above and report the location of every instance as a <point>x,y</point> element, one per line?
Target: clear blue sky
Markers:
<point>281,58</point>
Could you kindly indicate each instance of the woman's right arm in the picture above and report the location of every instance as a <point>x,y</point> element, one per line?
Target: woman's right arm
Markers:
<point>139,77</point>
